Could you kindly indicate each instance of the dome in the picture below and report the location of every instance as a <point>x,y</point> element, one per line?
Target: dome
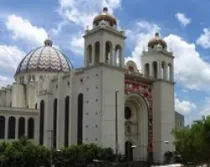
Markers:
<point>105,16</point>
<point>44,59</point>
<point>157,40</point>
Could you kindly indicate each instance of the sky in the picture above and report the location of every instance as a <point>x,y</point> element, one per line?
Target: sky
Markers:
<point>184,25</point>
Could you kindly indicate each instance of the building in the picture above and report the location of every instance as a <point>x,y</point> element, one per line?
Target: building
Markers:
<point>179,120</point>
<point>52,101</point>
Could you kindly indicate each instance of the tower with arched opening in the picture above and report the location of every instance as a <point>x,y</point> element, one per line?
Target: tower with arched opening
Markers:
<point>157,65</point>
<point>104,43</point>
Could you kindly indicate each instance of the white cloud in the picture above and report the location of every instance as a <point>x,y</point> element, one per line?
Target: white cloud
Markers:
<point>184,107</point>
<point>82,12</point>
<point>22,29</point>
<point>77,44</point>
<point>204,39</point>
<point>190,69</point>
<point>205,111</point>
<point>5,80</point>
<point>184,20</point>
<point>140,36</point>
<point>10,56</point>
<point>58,29</point>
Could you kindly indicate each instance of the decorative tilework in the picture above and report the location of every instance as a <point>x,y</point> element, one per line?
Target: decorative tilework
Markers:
<point>47,59</point>
<point>145,90</point>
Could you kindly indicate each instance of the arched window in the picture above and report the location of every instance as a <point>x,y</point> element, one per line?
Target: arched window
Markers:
<point>41,123</point>
<point>146,70</point>
<point>66,131</point>
<point>128,151</point>
<point>97,52</point>
<point>21,127</point>
<point>31,128</point>
<point>2,127</point>
<point>80,119</point>
<point>55,122</point>
<point>163,70</point>
<point>128,113</point>
<point>170,72</point>
<point>36,106</point>
<point>108,52</point>
<point>118,55</point>
<point>11,128</point>
<point>155,69</point>
<point>89,55</point>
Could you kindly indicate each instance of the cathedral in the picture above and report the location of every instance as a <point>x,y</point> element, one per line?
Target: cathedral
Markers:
<point>107,101</point>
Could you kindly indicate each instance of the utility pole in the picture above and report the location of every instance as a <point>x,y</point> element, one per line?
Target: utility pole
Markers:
<point>116,126</point>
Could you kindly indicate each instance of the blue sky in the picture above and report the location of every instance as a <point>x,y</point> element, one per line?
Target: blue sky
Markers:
<point>184,25</point>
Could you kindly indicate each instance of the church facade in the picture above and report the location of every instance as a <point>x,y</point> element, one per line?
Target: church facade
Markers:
<point>106,102</point>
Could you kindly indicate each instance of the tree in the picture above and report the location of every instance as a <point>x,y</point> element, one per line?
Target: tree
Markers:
<point>24,153</point>
<point>193,144</point>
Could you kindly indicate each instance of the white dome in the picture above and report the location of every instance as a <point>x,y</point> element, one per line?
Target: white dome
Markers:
<point>44,59</point>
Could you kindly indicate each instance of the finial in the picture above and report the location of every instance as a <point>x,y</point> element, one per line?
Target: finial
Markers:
<point>48,42</point>
<point>105,9</point>
<point>157,34</point>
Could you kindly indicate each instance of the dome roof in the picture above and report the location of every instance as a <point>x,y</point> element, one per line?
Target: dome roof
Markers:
<point>44,59</point>
<point>157,40</point>
<point>105,16</point>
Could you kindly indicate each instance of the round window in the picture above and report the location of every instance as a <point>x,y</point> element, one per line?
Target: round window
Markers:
<point>127,113</point>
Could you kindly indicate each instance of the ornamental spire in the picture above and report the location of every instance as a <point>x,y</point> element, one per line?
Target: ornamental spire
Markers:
<point>48,41</point>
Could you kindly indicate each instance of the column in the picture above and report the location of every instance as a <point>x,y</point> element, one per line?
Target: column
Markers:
<point>36,129</point>
<point>102,52</point>
<point>113,56</point>
<point>122,64</point>
<point>6,128</point>
<point>16,127</point>
<point>85,56</point>
<point>26,127</point>
<point>159,66</point>
<point>171,73</point>
<point>151,70</point>
<point>165,76</point>
<point>93,54</point>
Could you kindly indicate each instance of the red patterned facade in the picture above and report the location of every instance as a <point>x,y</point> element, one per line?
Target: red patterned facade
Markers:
<point>145,90</point>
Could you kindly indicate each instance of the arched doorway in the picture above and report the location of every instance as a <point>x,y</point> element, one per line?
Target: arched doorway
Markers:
<point>30,128</point>
<point>136,126</point>
<point>2,127</point>
<point>128,151</point>
<point>11,128</point>
<point>21,127</point>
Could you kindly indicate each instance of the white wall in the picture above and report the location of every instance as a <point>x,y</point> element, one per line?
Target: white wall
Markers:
<point>164,118</point>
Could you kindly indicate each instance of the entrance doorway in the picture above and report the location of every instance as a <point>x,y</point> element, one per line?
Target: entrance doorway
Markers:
<point>128,151</point>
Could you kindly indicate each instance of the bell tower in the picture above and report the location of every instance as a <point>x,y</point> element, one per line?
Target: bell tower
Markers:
<point>158,64</point>
<point>103,86</point>
<point>104,43</point>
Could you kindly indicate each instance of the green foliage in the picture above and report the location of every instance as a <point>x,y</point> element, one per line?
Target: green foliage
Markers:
<point>168,157</point>
<point>24,153</point>
<point>193,144</point>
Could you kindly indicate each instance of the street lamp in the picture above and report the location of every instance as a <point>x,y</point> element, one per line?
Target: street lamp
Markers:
<point>167,142</point>
<point>102,162</point>
<point>163,141</point>
<point>136,146</point>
